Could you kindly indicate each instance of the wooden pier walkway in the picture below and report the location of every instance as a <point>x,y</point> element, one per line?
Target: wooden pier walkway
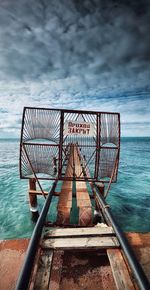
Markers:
<point>70,269</point>
<point>59,242</point>
<point>74,168</point>
<point>85,238</point>
<point>83,151</point>
<point>65,196</point>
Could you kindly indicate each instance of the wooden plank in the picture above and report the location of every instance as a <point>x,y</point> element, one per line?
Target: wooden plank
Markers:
<point>81,190</point>
<point>81,185</point>
<point>85,216</point>
<point>56,270</point>
<point>119,270</point>
<point>63,215</point>
<point>44,269</point>
<point>83,196</point>
<point>65,196</point>
<point>64,203</point>
<point>35,267</point>
<point>38,192</point>
<point>56,193</point>
<point>72,232</point>
<point>83,200</point>
<point>66,190</point>
<point>67,185</point>
<point>80,243</point>
<point>83,203</point>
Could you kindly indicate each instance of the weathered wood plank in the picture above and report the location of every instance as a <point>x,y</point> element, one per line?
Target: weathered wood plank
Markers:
<point>72,232</point>
<point>37,192</point>
<point>56,270</point>
<point>34,271</point>
<point>83,189</point>
<point>65,196</point>
<point>85,216</point>
<point>80,243</point>
<point>83,203</point>
<point>56,193</point>
<point>63,216</point>
<point>44,269</point>
<point>82,196</point>
<point>64,203</point>
<point>119,270</point>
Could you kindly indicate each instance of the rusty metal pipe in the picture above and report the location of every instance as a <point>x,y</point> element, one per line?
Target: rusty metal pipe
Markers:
<point>138,272</point>
<point>25,274</point>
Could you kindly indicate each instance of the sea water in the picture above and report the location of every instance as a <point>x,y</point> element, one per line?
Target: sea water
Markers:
<point>129,198</point>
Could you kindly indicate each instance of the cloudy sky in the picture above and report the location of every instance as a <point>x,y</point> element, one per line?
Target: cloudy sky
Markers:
<point>87,54</point>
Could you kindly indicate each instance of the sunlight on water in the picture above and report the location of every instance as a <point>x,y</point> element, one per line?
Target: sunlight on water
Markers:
<point>129,197</point>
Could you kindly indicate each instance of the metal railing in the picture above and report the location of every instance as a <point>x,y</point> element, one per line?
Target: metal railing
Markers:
<point>25,274</point>
<point>136,268</point>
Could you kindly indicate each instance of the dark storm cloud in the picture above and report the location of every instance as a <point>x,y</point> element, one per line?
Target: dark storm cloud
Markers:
<point>59,39</point>
<point>68,54</point>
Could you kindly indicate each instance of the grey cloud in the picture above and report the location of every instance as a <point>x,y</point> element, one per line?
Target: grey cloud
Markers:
<point>86,54</point>
<point>61,39</point>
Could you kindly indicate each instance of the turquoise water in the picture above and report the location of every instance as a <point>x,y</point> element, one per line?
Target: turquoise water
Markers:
<point>129,197</point>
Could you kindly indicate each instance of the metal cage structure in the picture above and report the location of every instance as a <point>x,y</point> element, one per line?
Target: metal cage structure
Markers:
<point>48,135</point>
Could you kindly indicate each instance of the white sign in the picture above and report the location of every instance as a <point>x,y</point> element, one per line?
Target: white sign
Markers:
<point>78,128</point>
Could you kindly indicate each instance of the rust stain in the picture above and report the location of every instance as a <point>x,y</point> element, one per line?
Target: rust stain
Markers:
<point>71,270</point>
<point>18,244</point>
<point>11,257</point>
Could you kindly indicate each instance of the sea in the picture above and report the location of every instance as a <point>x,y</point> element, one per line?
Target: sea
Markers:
<point>129,198</point>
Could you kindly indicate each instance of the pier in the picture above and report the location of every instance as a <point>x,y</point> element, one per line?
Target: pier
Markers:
<point>82,154</point>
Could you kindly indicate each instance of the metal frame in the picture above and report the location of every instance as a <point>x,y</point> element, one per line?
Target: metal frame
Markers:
<point>98,144</point>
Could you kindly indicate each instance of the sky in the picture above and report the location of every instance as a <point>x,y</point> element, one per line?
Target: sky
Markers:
<point>88,55</point>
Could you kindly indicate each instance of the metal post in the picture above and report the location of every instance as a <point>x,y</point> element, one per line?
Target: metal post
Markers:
<point>98,129</point>
<point>60,143</point>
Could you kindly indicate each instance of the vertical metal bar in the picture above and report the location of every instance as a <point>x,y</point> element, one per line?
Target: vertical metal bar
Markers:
<point>119,135</point>
<point>33,170</point>
<point>60,143</point>
<point>97,146</point>
<point>21,137</point>
<point>112,175</point>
